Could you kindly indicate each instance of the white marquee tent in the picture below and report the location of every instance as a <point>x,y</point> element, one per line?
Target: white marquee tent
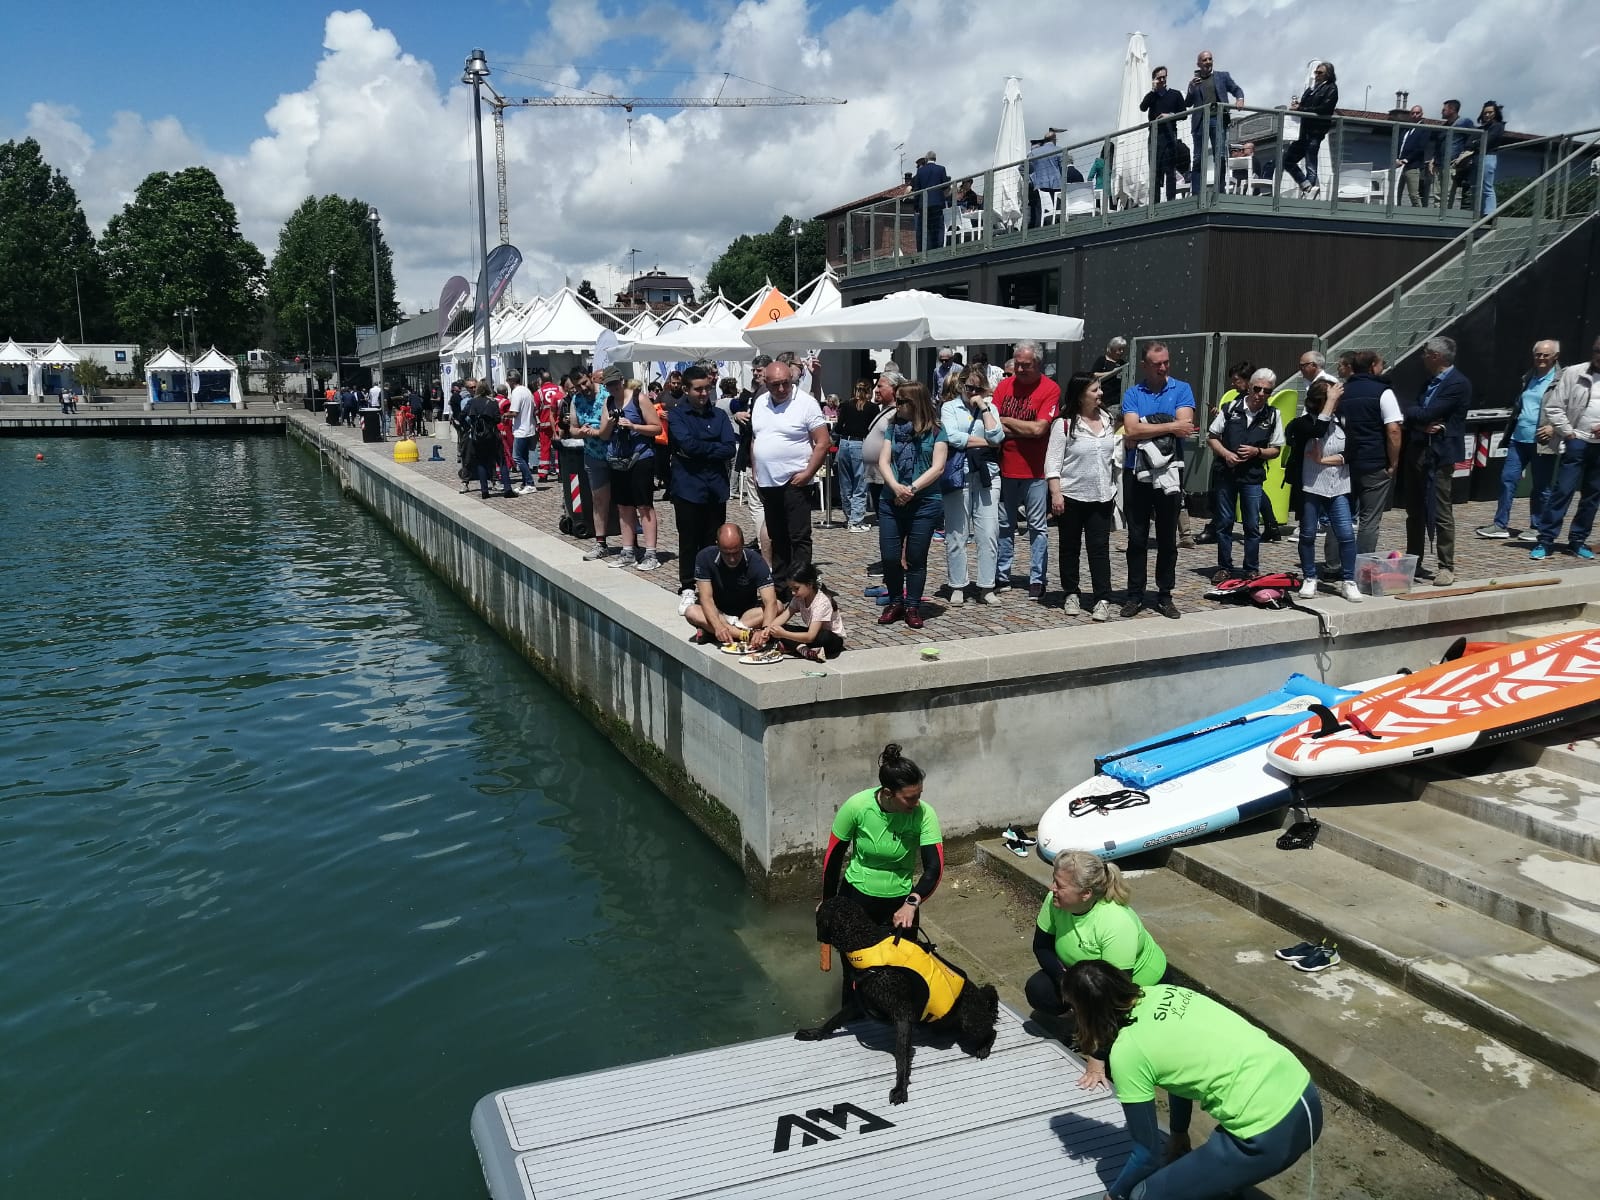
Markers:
<point>167,377</point>
<point>212,390</point>
<point>19,369</point>
<point>913,318</point>
<point>53,366</point>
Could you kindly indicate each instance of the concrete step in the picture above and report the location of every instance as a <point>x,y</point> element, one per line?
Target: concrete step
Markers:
<point>1535,997</point>
<point>1573,751</point>
<point>1545,794</point>
<point>1519,882</point>
<point>1466,1099</point>
<point>1542,629</point>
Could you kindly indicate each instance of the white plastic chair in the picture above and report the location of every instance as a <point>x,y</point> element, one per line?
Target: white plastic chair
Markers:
<point>1078,200</point>
<point>1050,206</point>
<point>1239,174</point>
<point>1355,182</point>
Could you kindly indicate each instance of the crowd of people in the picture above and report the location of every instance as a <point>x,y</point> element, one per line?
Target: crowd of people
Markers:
<point>1104,974</point>
<point>982,454</point>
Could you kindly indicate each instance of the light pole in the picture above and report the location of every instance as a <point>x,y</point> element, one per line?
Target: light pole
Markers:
<point>794,232</point>
<point>377,304</point>
<point>310,372</point>
<point>475,73</point>
<point>334,295</point>
<point>79,294</point>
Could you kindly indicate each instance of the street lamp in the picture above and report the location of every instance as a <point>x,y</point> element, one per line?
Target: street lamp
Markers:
<point>476,74</point>
<point>334,295</point>
<point>377,306</point>
<point>794,232</point>
<point>79,294</point>
<point>310,374</point>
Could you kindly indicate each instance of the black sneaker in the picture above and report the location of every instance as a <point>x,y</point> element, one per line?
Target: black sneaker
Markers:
<point>1299,950</point>
<point>875,570</point>
<point>1133,606</point>
<point>1167,608</point>
<point>1013,834</point>
<point>1319,959</point>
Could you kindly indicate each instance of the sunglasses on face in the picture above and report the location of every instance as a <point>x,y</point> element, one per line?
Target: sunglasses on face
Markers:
<point>1261,391</point>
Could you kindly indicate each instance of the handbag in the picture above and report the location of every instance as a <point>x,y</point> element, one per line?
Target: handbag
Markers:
<point>956,465</point>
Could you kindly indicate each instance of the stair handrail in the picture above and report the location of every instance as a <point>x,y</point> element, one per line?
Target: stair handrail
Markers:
<point>1392,293</point>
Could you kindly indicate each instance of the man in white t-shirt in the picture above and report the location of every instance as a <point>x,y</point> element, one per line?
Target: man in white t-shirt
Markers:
<point>789,445</point>
<point>524,427</point>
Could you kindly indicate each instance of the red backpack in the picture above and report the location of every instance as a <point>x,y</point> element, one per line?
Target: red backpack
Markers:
<point>1273,590</point>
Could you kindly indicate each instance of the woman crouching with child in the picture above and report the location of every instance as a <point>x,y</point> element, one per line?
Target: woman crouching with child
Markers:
<point>813,626</point>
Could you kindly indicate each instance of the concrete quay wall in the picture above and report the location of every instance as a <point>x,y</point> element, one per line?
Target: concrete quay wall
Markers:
<point>761,757</point>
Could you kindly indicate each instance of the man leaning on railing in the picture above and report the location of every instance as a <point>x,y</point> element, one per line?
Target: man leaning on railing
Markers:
<point>1208,94</point>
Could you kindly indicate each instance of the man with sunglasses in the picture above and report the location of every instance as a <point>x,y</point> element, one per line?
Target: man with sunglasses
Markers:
<point>1245,436</point>
<point>1027,402</point>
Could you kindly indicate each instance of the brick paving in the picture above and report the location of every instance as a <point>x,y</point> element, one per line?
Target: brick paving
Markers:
<point>843,558</point>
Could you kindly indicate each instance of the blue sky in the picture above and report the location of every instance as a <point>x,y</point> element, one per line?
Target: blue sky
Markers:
<point>290,98</point>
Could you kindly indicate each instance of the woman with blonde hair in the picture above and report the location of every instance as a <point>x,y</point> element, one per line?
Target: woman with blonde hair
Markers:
<point>1086,916</point>
<point>972,427</point>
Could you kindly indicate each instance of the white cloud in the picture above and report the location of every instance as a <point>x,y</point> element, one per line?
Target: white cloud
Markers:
<point>586,185</point>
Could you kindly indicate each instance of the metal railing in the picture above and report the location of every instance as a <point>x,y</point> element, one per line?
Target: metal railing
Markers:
<point>1489,252</point>
<point>1126,177</point>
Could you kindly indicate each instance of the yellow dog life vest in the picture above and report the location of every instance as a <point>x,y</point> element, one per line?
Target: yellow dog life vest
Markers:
<point>944,982</point>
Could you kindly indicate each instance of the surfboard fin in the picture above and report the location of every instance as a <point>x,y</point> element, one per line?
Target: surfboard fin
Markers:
<point>1329,724</point>
<point>1455,650</point>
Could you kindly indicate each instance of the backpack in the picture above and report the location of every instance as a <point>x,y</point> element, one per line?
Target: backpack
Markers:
<point>482,428</point>
<point>1272,590</point>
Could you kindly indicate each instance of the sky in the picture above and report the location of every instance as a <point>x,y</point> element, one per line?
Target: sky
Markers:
<point>295,98</point>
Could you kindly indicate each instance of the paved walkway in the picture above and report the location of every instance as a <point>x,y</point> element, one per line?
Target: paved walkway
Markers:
<point>844,557</point>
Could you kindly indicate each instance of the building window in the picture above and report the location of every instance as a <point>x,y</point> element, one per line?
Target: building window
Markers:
<point>1034,291</point>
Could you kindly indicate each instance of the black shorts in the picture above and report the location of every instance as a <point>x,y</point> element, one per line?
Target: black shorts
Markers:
<point>635,486</point>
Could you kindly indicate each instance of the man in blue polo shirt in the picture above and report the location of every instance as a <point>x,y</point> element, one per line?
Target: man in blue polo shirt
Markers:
<point>1142,500</point>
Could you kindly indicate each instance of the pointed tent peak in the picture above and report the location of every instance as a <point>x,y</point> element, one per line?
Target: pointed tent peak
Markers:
<point>214,360</point>
<point>823,297</point>
<point>11,353</point>
<point>168,360</point>
<point>774,306</point>
<point>59,354</point>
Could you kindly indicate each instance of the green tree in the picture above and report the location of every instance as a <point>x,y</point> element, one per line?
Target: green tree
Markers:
<point>43,238</point>
<point>327,231</point>
<point>587,292</point>
<point>753,259</point>
<point>177,245</point>
<point>90,375</point>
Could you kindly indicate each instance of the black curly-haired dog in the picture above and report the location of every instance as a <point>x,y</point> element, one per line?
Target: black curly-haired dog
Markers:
<point>899,994</point>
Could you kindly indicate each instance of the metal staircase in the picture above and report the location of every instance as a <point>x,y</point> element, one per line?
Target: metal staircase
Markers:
<point>1484,258</point>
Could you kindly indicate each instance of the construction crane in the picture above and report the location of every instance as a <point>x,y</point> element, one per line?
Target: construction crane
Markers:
<point>500,103</point>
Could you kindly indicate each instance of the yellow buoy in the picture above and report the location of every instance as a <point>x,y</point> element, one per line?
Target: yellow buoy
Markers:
<point>405,450</point>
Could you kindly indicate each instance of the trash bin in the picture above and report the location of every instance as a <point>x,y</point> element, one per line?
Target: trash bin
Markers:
<point>576,502</point>
<point>330,412</point>
<point>372,424</point>
<point>1486,426</point>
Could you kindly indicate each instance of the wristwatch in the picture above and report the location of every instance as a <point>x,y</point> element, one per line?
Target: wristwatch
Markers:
<point>913,899</point>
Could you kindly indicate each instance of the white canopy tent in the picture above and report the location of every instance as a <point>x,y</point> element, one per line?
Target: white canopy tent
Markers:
<point>53,367</point>
<point>916,319</point>
<point>1009,204</point>
<point>1130,173</point>
<point>213,391</point>
<point>719,340</point>
<point>167,377</point>
<point>823,296</point>
<point>566,327</point>
<point>19,370</point>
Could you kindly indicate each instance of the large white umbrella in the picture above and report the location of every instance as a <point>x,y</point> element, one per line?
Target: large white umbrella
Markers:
<point>1009,202</point>
<point>717,340</point>
<point>1131,171</point>
<point>915,319</point>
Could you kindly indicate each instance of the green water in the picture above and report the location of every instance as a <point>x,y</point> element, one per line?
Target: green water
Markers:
<point>298,860</point>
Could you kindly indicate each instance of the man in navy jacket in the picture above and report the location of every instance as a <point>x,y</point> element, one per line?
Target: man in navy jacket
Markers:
<point>701,441</point>
<point>930,204</point>
<point>1435,428</point>
<point>1210,86</point>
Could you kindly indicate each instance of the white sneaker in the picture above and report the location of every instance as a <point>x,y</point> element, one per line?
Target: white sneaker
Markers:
<point>1102,611</point>
<point>623,559</point>
<point>986,597</point>
<point>1351,592</point>
<point>859,529</point>
<point>649,562</point>
<point>686,600</point>
<point>598,550</point>
<point>1072,608</point>
<point>1308,590</point>
<point>958,597</point>
<point>1444,578</point>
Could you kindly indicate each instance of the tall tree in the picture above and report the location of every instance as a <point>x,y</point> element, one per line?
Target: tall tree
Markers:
<point>327,231</point>
<point>43,239</point>
<point>586,290</point>
<point>753,259</point>
<point>176,246</point>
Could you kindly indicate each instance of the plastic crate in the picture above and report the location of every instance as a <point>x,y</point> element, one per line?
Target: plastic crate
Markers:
<point>1385,574</point>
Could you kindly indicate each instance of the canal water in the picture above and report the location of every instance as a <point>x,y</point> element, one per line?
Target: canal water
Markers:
<point>298,859</point>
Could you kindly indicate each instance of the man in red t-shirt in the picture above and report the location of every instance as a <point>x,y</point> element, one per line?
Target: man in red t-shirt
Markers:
<point>1027,403</point>
<point>548,397</point>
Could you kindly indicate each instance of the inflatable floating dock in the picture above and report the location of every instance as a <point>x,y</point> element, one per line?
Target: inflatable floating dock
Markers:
<point>780,1118</point>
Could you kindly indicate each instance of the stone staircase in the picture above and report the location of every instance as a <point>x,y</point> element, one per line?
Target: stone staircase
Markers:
<point>1465,902</point>
<point>1473,266</point>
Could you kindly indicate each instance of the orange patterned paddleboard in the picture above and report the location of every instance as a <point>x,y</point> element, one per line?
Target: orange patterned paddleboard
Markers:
<point>1496,695</point>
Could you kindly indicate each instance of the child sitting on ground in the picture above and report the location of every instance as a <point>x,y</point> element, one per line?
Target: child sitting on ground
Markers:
<point>813,626</point>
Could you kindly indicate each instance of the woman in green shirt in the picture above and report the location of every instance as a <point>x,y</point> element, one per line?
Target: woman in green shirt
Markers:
<point>1087,916</point>
<point>1267,1109</point>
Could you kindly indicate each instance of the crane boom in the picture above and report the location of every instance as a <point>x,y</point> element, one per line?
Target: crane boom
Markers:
<point>500,103</point>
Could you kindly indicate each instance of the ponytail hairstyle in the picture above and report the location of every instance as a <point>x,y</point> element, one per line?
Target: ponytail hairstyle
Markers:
<point>1090,874</point>
<point>895,770</point>
<point>1101,996</point>
<point>811,577</point>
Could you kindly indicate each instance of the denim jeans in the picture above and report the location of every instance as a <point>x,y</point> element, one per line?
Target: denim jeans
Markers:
<point>1224,1164</point>
<point>976,508</point>
<point>1519,457</point>
<point>519,453</point>
<point>907,529</point>
<point>1216,146</point>
<point>1490,162</point>
<point>1304,149</point>
<point>1579,472</point>
<point>1336,509</point>
<point>1369,497</point>
<point>1248,496</point>
<point>1033,497</point>
<point>852,480</point>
